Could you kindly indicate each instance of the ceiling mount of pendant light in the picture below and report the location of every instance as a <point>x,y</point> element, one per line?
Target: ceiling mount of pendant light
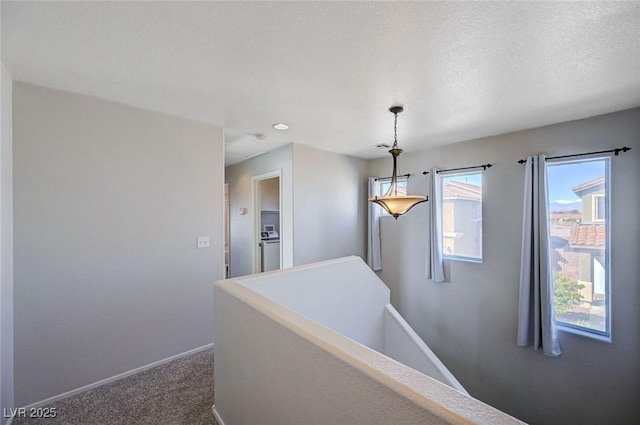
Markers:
<point>393,202</point>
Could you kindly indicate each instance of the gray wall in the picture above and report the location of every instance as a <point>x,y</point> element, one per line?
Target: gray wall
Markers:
<point>470,321</point>
<point>329,216</point>
<point>108,202</point>
<point>6,247</point>
<point>239,177</point>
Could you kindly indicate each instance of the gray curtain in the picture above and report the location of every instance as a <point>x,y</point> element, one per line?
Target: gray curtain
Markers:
<point>435,263</point>
<point>374,258</point>
<point>536,321</point>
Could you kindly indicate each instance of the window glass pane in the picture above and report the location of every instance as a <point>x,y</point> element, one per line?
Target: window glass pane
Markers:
<point>383,186</point>
<point>462,215</point>
<point>579,246</point>
<point>599,205</point>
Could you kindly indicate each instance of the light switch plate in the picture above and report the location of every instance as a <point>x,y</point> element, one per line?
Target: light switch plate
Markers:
<point>203,242</point>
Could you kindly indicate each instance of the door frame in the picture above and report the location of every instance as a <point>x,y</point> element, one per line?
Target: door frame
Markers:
<point>255,207</point>
<point>227,231</point>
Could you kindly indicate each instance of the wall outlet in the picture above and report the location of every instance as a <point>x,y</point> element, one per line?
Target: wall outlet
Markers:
<point>203,242</point>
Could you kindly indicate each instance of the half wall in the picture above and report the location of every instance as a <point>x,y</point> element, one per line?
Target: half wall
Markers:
<point>279,359</point>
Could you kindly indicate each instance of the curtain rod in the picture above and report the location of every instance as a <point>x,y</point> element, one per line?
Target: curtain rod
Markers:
<point>483,166</point>
<point>616,151</point>
<point>389,178</point>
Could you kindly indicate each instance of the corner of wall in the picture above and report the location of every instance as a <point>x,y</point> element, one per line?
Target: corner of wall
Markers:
<point>6,245</point>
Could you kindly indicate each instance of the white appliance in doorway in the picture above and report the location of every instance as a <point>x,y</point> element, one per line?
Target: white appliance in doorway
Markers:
<point>270,255</point>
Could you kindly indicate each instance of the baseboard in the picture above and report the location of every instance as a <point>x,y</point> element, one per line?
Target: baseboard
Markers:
<point>217,415</point>
<point>114,378</point>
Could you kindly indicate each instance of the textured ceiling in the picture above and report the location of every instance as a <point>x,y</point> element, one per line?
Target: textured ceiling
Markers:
<point>331,70</point>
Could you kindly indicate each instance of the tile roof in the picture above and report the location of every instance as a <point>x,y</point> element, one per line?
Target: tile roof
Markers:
<point>458,190</point>
<point>587,236</point>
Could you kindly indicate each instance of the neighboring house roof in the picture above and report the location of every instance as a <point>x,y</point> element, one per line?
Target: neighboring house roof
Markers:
<point>591,184</point>
<point>587,236</point>
<point>459,190</point>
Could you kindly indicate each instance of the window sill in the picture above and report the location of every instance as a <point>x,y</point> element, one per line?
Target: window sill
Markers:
<point>460,258</point>
<point>584,333</point>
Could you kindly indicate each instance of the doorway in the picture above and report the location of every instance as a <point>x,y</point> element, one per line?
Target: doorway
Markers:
<point>267,221</point>
<point>227,225</point>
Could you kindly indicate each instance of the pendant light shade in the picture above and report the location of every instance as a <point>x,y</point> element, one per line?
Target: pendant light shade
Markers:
<point>393,202</point>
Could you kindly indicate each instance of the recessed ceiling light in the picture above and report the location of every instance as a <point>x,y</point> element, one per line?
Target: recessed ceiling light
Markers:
<point>281,126</point>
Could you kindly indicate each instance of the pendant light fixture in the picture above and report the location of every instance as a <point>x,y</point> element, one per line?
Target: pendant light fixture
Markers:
<point>393,202</point>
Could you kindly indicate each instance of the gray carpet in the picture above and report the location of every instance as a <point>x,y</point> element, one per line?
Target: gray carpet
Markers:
<point>177,393</point>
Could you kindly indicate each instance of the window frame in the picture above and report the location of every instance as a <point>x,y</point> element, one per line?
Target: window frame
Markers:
<point>606,335</point>
<point>454,257</point>
<point>596,208</point>
<point>379,192</point>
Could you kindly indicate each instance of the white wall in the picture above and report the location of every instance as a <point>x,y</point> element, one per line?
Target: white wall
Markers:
<point>343,295</point>
<point>241,226</point>
<point>108,203</point>
<point>401,343</point>
<point>330,209</point>
<point>470,321</point>
<point>6,246</point>
<point>346,296</point>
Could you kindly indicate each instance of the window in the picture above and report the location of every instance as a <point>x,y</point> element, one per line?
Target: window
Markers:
<point>579,226</point>
<point>599,209</point>
<point>462,216</point>
<point>384,184</point>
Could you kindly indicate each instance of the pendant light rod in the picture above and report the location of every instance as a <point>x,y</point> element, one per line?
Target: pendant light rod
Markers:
<point>395,110</point>
<point>395,150</point>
